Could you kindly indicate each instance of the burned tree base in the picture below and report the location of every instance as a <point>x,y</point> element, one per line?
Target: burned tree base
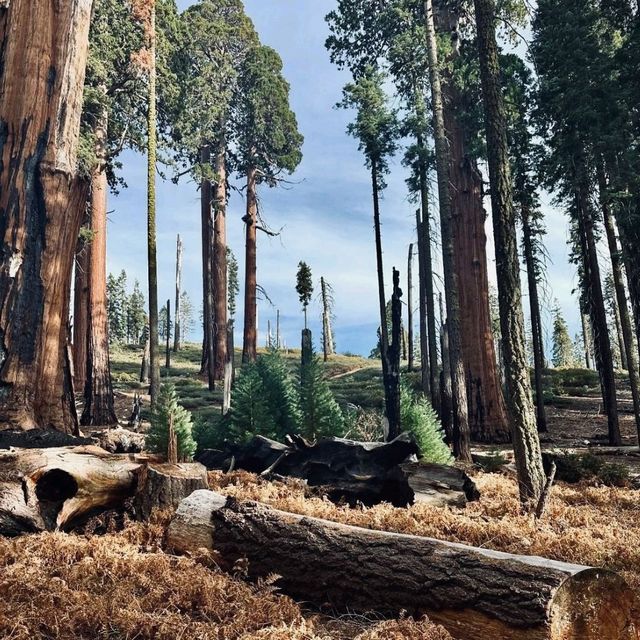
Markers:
<point>474,593</point>
<point>353,472</point>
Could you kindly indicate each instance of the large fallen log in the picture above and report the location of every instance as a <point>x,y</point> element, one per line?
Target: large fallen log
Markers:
<point>60,488</point>
<point>475,593</point>
<point>352,472</point>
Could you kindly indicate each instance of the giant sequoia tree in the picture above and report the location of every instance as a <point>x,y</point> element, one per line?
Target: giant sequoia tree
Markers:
<point>41,205</point>
<point>215,37</point>
<point>269,144</point>
<point>112,119</point>
<point>526,443</point>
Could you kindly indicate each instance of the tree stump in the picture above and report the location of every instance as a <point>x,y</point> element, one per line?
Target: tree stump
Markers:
<point>474,593</point>
<point>163,486</point>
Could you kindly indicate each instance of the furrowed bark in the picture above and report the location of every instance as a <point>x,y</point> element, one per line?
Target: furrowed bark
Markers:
<point>41,206</point>
<point>526,443</point>
<point>220,263</point>
<point>627,349</point>
<point>461,435</point>
<point>536,320</point>
<point>207,261</point>
<point>98,391</point>
<point>249,343</point>
<point>487,409</point>
<point>410,307</point>
<point>475,593</point>
<point>80,312</point>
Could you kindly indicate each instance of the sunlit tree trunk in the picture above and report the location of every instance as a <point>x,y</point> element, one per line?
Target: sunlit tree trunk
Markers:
<point>43,47</point>
<point>220,262</point>
<point>250,283</point>
<point>98,390</point>
<point>461,436</point>
<point>526,443</point>
<point>410,308</point>
<point>177,329</point>
<point>207,274</point>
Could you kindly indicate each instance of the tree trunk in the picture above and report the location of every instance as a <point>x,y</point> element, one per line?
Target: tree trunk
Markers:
<point>144,367</point>
<point>167,357</point>
<point>154,347</point>
<point>98,391</point>
<point>250,281</point>
<point>80,311</point>
<point>425,368</point>
<point>461,434</point>
<point>586,337</point>
<point>327,335</point>
<point>627,349</point>
<point>382,302</point>
<point>220,262</point>
<point>205,223</point>
<point>177,329</point>
<point>536,320</point>
<point>42,203</point>
<point>531,477</point>
<point>487,410</point>
<point>474,592</point>
<point>392,375</point>
<point>446,402</point>
<point>597,312</point>
<point>410,307</point>
<point>428,306</point>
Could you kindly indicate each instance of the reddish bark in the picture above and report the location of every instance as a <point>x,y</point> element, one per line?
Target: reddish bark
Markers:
<point>80,313</point>
<point>41,205</point>
<point>250,282</point>
<point>220,264</point>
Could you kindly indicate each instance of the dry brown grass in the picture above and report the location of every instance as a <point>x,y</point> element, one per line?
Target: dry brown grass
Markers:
<point>123,586</point>
<point>595,526</point>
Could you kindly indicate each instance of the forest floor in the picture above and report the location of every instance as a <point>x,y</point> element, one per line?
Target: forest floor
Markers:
<point>123,585</point>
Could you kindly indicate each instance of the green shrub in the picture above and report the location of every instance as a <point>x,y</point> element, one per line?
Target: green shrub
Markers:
<point>210,432</point>
<point>168,410</point>
<point>614,474</point>
<point>321,414</point>
<point>493,462</point>
<point>573,468</point>
<point>418,417</point>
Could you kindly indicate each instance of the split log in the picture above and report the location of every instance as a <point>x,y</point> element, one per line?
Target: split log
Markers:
<point>46,489</point>
<point>164,486</point>
<point>474,593</point>
<point>352,472</point>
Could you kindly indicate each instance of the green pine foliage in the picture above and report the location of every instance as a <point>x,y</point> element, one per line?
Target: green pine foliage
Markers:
<point>563,348</point>
<point>304,287</point>
<point>418,417</point>
<point>321,414</point>
<point>167,409</point>
<point>265,400</point>
<point>117,307</point>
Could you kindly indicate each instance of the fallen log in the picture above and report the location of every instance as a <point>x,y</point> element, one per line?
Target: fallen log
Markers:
<point>475,593</point>
<point>61,488</point>
<point>352,472</point>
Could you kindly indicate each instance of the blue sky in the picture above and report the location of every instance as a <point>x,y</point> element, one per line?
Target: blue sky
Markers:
<point>325,215</point>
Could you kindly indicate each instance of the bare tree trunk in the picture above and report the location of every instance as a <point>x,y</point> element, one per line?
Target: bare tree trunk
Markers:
<point>461,434</point>
<point>98,391</point>
<point>536,320</point>
<point>425,368</point>
<point>144,367</point>
<point>250,283</point>
<point>81,311</point>
<point>278,339</point>
<point>327,334</point>
<point>586,337</point>
<point>627,349</point>
<point>177,329</point>
<point>205,223</point>
<point>220,261</point>
<point>392,376</point>
<point>154,347</point>
<point>167,361</point>
<point>446,402</point>
<point>410,306</point>
<point>526,443</point>
<point>42,202</point>
<point>593,289</point>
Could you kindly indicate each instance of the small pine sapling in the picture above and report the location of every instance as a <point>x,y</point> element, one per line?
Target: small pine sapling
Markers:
<point>304,287</point>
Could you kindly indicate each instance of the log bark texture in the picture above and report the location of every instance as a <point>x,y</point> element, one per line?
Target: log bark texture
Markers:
<point>475,593</point>
<point>43,49</point>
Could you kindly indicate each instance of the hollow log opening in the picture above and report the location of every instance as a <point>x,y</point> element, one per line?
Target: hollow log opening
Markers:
<point>56,485</point>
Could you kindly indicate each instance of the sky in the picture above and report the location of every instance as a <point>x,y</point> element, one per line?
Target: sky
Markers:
<point>325,214</point>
